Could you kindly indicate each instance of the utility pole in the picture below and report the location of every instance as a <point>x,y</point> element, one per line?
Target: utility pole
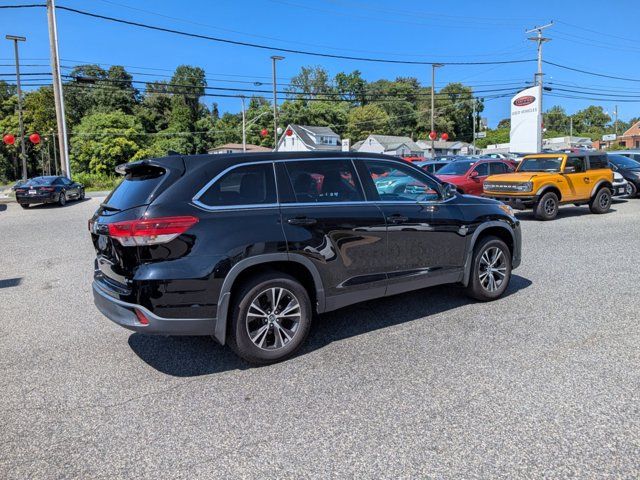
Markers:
<point>23,152</point>
<point>539,39</point>
<point>274,59</point>
<point>570,127</point>
<point>57,90</point>
<point>244,128</point>
<point>433,103</point>
<point>474,126</point>
<point>615,124</point>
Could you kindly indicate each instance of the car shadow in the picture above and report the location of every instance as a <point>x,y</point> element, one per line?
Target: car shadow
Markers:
<point>10,282</point>
<point>563,212</point>
<point>3,207</point>
<point>195,356</point>
<point>70,203</point>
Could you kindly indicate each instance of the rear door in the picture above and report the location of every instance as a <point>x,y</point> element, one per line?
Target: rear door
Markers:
<point>327,220</point>
<point>426,235</point>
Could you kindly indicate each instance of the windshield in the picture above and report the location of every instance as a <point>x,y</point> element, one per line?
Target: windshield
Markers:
<point>456,168</point>
<point>621,161</point>
<point>540,164</point>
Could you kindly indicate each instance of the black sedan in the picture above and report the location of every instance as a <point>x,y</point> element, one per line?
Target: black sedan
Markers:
<point>48,190</point>
<point>629,169</point>
<point>430,166</point>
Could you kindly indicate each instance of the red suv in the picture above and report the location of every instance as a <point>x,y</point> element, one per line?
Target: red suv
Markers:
<point>469,174</point>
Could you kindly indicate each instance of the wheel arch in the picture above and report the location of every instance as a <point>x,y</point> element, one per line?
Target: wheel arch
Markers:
<point>298,266</point>
<point>549,188</point>
<point>601,184</point>
<point>499,229</point>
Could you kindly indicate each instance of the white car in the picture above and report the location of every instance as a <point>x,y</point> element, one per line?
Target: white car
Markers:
<point>619,185</point>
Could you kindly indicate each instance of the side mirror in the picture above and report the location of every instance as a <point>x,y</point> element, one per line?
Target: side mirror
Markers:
<point>449,190</point>
<point>474,174</point>
<point>569,170</point>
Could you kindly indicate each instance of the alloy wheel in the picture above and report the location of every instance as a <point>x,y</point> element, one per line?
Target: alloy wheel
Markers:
<point>493,269</point>
<point>273,318</point>
<point>605,198</point>
<point>549,206</point>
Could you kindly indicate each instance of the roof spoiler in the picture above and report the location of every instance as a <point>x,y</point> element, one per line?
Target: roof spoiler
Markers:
<point>175,164</point>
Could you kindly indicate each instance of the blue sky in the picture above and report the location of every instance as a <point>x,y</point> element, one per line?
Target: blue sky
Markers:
<point>607,41</point>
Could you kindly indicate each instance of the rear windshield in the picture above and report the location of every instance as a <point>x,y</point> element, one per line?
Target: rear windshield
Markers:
<point>137,188</point>
<point>34,182</point>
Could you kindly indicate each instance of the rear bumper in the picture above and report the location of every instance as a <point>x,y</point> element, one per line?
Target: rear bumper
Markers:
<point>31,199</point>
<point>123,314</point>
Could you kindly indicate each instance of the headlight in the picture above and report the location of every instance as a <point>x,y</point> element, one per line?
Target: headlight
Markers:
<point>525,187</point>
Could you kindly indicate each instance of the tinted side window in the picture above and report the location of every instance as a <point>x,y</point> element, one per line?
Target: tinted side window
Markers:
<point>397,182</point>
<point>58,181</point>
<point>324,181</point>
<point>482,169</point>
<point>597,161</point>
<point>576,162</point>
<point>245,185</point>
<point>498,167</point>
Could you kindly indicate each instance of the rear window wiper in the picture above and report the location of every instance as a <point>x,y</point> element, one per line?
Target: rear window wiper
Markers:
<point>110,208</point>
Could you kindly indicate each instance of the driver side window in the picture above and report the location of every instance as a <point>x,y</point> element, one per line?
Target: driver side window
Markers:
<point>395,182</point>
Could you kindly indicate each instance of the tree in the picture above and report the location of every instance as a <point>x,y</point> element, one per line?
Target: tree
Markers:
<point>556,119</point>
<point>592,119</point>
<point>399,100</point>
<point>365,120</point>
<point>351,86</point>
<point>312,81</point>
<point>493,137</point>
<point>102,141</point>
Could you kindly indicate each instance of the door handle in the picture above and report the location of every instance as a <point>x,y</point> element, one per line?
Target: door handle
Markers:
<point>397,218</point>
<point>302,221</point>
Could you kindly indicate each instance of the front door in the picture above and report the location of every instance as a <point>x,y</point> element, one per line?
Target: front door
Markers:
<point>578,181</point>
<point>326,220</point>
<point>426,234</point>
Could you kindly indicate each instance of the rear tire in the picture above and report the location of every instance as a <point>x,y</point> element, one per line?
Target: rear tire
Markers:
<point>62,199</point>
<point>632,190</point>
<point>271,318</point>
<point>601,201</point>
<point>547,207</point>
<point>81,196</point>
<point>490,270</point>
<point>24,205</point>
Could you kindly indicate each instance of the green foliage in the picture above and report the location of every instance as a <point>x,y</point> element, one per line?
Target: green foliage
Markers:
<point>366,120</point>
<point>102,141</point>
<point>493,137</point>
<point>97,181</point>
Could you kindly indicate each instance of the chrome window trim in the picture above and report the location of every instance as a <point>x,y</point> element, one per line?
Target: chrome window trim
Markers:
<point>263,206</point>
<point>196,198</point>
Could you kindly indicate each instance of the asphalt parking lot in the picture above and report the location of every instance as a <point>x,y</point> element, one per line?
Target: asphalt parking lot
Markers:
<point>544,382</point>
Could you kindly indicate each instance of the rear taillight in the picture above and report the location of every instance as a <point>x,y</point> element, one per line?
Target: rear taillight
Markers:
<point>150,231</point>
<point>20,190</point>
<point>47,189</point>
<point>141,318</point>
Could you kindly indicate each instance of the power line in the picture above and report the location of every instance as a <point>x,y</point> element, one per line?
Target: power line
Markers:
<point>274,48</point>
<point>586,72</point>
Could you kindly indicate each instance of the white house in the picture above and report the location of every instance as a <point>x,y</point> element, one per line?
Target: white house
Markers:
<point>305,138</point>
<point>442,147</point>
<point>389,145</point>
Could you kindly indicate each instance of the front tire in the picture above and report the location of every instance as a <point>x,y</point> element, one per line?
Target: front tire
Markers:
<point>547,207</point>
<point>271,318</point>
<point>632,190</point>
<point>601,202</point>
<point>490,270</point>
<point>62,199</point>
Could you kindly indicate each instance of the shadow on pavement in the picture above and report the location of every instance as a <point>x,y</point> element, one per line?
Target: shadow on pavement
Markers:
<point>3,207</point>
<point>563,212</point>
<point>194,356</point>
<point>70,203</point>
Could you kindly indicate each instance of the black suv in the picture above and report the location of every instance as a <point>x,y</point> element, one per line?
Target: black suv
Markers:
<point>247,248</point>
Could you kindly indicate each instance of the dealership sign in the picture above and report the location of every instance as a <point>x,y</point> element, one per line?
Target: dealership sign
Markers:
<point>526,121</point>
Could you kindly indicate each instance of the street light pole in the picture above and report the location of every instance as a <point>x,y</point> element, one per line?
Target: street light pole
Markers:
<point>274,59</point>
<point>23,152</point>
<point>539,39</point>
<point>433,103</point>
